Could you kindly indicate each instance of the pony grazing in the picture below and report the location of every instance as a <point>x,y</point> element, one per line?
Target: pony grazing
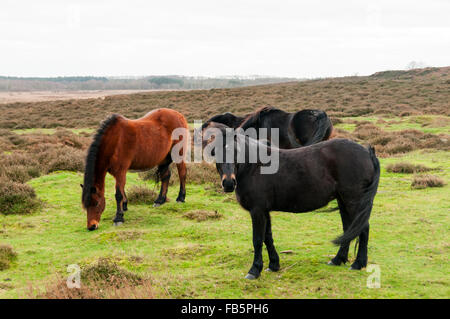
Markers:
<point>122,144</point>
<point>307,178</point>
<point>297,129</point>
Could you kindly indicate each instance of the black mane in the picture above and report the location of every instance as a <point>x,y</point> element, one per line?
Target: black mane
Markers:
<point>91,159</point>
<point>254,118</point>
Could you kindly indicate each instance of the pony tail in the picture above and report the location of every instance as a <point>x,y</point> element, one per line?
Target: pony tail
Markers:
<point>362,220</point>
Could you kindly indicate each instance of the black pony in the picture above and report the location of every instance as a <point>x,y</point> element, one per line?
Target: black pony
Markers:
<point>307,179</point>
<point>297,129</point>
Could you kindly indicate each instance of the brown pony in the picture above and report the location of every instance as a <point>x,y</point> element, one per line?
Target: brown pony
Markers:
<point>122,144</point>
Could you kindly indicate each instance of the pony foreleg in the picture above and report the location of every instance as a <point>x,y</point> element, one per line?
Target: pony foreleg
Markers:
<point>274,264</point>
<point>125,202</point>
<point>259,229</point>
<point>182,175</point>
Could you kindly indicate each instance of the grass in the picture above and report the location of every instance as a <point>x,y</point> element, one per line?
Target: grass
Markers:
<point>210,258</point>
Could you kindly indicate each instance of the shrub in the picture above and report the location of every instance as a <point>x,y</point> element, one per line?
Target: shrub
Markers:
<point>424,181</point>
<point>17,198</point>
<point>7,255</point>
<point>140,195</point>
<point>63,159</point>
<point>406,168</point>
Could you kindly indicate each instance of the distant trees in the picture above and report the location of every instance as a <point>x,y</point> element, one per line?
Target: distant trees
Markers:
<point>415,65</point>
<point>164,80</point>
<point>172,82</point>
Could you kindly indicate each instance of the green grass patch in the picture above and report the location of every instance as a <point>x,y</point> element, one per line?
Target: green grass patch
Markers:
<point>193,259</point>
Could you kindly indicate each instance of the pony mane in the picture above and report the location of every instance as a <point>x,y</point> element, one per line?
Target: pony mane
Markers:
<point>91,159</point>
<point>254,118</point>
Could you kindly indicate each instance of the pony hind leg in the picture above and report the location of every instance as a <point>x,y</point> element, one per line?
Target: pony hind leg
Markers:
<point>361,257</point>
<point>164,177</point>
<point>182,175</point>
<point>342,254</point>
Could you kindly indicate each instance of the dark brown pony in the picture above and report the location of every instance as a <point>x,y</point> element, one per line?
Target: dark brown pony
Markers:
<point>302,128</point>
<point>122,144</point>
<point>298,129</point>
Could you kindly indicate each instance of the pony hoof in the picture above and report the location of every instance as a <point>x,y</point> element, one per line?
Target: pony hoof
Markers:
<point>156,205</point>
<point>354,268</point>
<point>180,201</point>
<point>269,270</point>
<point>331,263</point>
<point>118,223</point>
<point>250,277</point>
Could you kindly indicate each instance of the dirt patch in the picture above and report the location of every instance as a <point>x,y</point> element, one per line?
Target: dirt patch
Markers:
<point>202,215</point>
<point>124,235</point>
<point>185,251</point>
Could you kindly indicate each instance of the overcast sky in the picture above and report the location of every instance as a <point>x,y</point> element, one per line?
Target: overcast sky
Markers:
<point>282,38</point>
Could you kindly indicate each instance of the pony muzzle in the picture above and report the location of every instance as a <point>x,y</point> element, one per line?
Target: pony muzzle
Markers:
<point>229,183</point>
<point>92,226</point>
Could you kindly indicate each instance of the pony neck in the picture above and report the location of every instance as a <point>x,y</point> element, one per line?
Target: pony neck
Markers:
<point>99,181</point>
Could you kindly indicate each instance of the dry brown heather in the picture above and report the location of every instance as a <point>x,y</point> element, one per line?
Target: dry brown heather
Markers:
<point>424,181</point>
<point>391,93</point>
<point>406,168</point>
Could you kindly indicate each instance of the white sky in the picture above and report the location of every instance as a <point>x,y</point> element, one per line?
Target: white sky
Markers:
<point>279,37</point>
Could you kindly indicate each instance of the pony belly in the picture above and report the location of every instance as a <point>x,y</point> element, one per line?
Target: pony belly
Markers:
<point>304,203</point>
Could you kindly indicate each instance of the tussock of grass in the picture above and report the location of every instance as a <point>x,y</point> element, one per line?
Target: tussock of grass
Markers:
<point>106,272</point>
<point>424,181</point>
<point>17,198</point>
<point>59,290</point>
<point>202,215</point>
<point>7,255</point>
<point>140,195</point>
<point>407,168</point>
<point>103,279</point>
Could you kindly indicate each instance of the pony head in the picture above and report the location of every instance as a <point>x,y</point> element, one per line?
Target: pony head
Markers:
<point>94,204</point>
<point>221,141</point>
